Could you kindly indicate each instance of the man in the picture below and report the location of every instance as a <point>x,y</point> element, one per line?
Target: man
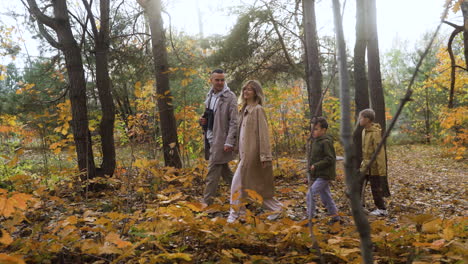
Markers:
<point>219,123</point>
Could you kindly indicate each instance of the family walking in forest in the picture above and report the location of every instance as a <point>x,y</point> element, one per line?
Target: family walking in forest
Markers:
<point>228,131</point>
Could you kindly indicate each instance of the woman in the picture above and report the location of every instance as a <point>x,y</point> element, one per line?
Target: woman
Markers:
<point>254,171</point>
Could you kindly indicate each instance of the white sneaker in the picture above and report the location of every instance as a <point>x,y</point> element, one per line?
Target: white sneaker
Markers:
<point>273,217</point>
<point>231,219</point>
<point>379,212</point>
<point>365,210</point>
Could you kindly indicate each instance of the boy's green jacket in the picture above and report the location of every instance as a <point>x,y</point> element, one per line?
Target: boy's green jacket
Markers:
<point>323,158</point>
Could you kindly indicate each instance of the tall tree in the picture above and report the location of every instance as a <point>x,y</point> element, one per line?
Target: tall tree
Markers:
<point>65,41</point>
<point>313,72</point>
<point>166,111</point>
<point>361,97</point>
<point>377,100</point>
<point>464,8</point>
<point>362,224</point>
<point>103,83</point>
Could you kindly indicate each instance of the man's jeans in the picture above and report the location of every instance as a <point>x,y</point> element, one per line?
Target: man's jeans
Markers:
<point>321,187</point>
<point>215,171</point>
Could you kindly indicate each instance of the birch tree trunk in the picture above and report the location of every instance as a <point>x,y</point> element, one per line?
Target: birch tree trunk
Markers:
<point>352,182</point>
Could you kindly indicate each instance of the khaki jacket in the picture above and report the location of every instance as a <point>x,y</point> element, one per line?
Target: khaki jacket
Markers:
<point>255,149</point>
<point>371,138</point>
<point>224,128</point>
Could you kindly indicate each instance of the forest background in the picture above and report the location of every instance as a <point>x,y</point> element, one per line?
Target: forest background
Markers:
<point>144,205</point>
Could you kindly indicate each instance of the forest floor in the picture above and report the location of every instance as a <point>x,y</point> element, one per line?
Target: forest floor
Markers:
<point>154,215</point>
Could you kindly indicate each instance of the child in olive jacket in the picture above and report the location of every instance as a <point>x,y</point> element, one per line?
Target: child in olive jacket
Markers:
<point>322,170</point>
<point>377,173</point>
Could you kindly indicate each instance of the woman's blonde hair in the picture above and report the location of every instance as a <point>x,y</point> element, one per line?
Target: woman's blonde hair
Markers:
<point>257,87</point>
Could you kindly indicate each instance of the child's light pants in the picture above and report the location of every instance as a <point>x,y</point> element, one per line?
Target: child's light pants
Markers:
<point>321,187</point>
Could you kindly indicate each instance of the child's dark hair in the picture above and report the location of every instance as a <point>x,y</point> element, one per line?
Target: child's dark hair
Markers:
<point>322,121</point>
<point>368,113</point>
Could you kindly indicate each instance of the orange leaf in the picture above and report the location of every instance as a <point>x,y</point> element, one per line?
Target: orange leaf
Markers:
<point>6,238</point>
<point>196,207</point>
<point>19,200</point>
<point>254,196</point>
<point>89,246</point>
<point>71,220</point>
<point>115,239</point>
<point>438,244</point>
<point>285,190</point>
<point>6,207</point>
<point>448,234</point>
<point>7,259</point>
<point>109,249</point>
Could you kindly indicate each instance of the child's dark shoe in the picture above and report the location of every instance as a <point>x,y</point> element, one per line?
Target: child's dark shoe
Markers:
<point>334,220</point>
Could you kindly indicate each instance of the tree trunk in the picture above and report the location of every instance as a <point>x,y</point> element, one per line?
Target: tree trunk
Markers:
<point>361,97</point>
<point>453,66</point>
<point>362,224</point>
<point>74,64</point>
<point>464,8</point>
<point>427,121</point>
<point>313,72</point>
<point>104,86</point>
<point>60,24</point>
<point>377,100</point>
<point>166,111</point>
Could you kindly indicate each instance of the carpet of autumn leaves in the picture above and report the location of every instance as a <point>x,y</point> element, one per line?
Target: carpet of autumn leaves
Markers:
<point>153,215</point>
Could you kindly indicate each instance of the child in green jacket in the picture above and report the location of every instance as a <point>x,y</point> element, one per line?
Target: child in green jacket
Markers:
<point>322,170</point>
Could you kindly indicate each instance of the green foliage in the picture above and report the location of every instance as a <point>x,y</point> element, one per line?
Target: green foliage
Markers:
<point>421,119</point>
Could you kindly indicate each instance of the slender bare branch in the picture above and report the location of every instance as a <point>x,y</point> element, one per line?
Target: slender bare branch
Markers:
<point>171,39</point>
<point>40,16</point>
<point>452,24</point>
<point>91,18</point>
<point>54,43</point>
<point>453,64</point>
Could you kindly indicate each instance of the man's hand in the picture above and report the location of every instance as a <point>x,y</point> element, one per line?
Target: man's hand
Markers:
<point>312,168</point>
<point>203,121</point>
<point>228,149</point>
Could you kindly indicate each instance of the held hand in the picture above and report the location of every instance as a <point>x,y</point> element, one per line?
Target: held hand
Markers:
<point>266,164</point>
<point>228,149</point>
<point>312,168</point>
<point>202,121</point>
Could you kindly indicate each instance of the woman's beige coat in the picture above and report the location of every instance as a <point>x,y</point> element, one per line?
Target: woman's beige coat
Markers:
<point>255,149</point>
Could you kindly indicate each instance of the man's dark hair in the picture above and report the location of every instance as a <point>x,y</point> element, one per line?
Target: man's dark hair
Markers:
<point>217,71</point>
<point>322,121</point>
